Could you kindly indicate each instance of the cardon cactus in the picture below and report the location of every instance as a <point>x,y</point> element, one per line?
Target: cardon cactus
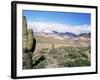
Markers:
<point>27,60</point>
<point>30,40</point>
<point>24,27</point>
<point>24,33</point>
<point>28,45</point>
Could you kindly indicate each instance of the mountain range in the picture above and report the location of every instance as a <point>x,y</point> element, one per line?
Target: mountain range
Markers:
<point>72,35</point>
<point>66,34</point>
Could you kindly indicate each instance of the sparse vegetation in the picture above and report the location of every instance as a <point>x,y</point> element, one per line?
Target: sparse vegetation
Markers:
<point>66,57</point>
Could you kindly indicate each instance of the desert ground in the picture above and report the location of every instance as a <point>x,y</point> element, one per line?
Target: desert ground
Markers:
<point>61,52</point>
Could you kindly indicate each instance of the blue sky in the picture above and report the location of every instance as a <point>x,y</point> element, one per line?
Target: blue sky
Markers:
<point>68,18</point>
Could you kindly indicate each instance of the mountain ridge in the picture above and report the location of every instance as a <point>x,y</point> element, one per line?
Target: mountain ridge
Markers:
<point>66,34</point>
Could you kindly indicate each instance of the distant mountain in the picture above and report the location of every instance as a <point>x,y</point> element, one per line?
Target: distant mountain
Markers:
<point>55,32</point>
<point>69,35</point>
<point>65,34</point>
<point>86,35</point>
<point>72,35</point>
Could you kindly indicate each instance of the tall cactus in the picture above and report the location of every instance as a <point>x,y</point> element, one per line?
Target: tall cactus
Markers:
<point>30,40</point>
<point>24,33</point>
<point>28,45</point>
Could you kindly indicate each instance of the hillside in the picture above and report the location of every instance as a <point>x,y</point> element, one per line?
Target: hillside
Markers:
<point>56,39</point>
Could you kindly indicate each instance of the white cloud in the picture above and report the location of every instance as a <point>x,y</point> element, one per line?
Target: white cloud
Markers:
<point>49,27</point>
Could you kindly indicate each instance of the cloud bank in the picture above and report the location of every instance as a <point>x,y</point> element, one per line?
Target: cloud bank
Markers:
<point>48,27</point>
